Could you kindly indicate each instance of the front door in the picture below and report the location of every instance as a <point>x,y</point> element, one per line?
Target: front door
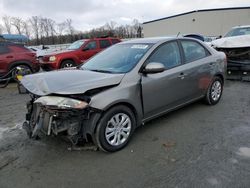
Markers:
<point>166,90</point>
<point>89,50</point>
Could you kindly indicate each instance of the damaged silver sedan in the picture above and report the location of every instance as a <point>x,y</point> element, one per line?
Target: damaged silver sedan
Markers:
<point>123,87</point>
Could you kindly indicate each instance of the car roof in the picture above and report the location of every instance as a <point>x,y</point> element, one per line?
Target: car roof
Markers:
<point>100,38</point>
<point>154,40</point>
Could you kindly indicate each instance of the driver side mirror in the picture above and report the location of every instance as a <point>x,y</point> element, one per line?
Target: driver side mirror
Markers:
<point>153,68</point>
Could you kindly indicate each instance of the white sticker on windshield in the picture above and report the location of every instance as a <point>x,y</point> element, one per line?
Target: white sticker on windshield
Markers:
<point>140,46</point>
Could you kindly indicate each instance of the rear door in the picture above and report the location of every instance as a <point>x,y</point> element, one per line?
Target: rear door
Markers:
<point>198,64</point>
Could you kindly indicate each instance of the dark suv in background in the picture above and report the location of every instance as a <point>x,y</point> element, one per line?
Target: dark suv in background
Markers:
<point>77,53</point>
<point>13,55</point>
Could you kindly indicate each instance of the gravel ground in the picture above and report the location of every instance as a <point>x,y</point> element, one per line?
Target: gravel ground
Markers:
<point>197,146</point>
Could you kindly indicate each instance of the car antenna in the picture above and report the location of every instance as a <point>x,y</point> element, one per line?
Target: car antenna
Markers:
<point>178,34</point>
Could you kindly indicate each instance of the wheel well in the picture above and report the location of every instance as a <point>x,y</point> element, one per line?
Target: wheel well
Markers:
<point>221,77</point>
<point>15,64</point>
<point>69,59</point>
<point>131,107</point>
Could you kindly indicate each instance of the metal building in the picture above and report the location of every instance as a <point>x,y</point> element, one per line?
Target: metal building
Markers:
<point>209,22</point>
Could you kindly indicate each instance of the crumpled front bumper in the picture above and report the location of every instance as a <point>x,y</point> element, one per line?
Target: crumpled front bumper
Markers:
<point>42,120</point>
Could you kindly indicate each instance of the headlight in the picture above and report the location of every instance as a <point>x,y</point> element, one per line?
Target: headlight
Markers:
<point>52,58</point>
<point>61,102</point>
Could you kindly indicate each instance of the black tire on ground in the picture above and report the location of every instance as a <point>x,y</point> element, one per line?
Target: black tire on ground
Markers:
<point>214,91</point>
<point>67,64</point>
<point>121,133</point>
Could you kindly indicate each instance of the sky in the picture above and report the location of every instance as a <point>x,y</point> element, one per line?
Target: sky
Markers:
<point>88,14</point>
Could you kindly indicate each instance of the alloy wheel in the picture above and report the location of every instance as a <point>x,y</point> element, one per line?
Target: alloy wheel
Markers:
<point>216,90</point>
<point>118,129</point>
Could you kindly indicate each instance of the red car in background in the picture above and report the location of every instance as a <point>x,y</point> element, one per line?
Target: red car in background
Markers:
<point>77,53</point>
<point>13,55</point>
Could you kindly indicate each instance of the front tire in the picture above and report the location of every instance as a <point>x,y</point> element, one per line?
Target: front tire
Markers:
<point>214,91</point>
<point>67,64</point>
<point>115,128</point>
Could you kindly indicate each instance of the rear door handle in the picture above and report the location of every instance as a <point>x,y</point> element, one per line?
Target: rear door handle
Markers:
<point>211,64</point>
<point>9,56</point>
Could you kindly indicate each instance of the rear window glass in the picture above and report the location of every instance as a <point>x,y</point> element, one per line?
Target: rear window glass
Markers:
<point>104,43</point>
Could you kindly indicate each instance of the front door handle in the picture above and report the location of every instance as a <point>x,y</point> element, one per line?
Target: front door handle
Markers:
<point>182,75</point>
<point>9,56</point>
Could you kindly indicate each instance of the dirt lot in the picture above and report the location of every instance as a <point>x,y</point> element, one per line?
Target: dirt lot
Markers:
<point>197,146</point>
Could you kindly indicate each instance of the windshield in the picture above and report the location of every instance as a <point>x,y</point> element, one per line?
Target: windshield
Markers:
<point>76,45</point>
<point>238,31</point>
<point>120,58</point>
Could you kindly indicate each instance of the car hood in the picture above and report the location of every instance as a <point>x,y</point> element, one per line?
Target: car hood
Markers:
<point>232,42</point>
<point>59,52</point>
<point>66,82</point>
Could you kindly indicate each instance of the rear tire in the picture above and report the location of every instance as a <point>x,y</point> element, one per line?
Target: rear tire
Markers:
<point>214,91</point>
<point>67,64</point>
<point>115,129</point>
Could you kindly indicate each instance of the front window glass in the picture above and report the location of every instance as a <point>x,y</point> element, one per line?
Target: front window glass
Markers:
<point>120,58</point>
<point>168,54</point>
<point>91,45</point>
<point>76,45</point>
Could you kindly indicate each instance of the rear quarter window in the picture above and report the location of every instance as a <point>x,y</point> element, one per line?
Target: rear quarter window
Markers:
<point>193,51</point>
